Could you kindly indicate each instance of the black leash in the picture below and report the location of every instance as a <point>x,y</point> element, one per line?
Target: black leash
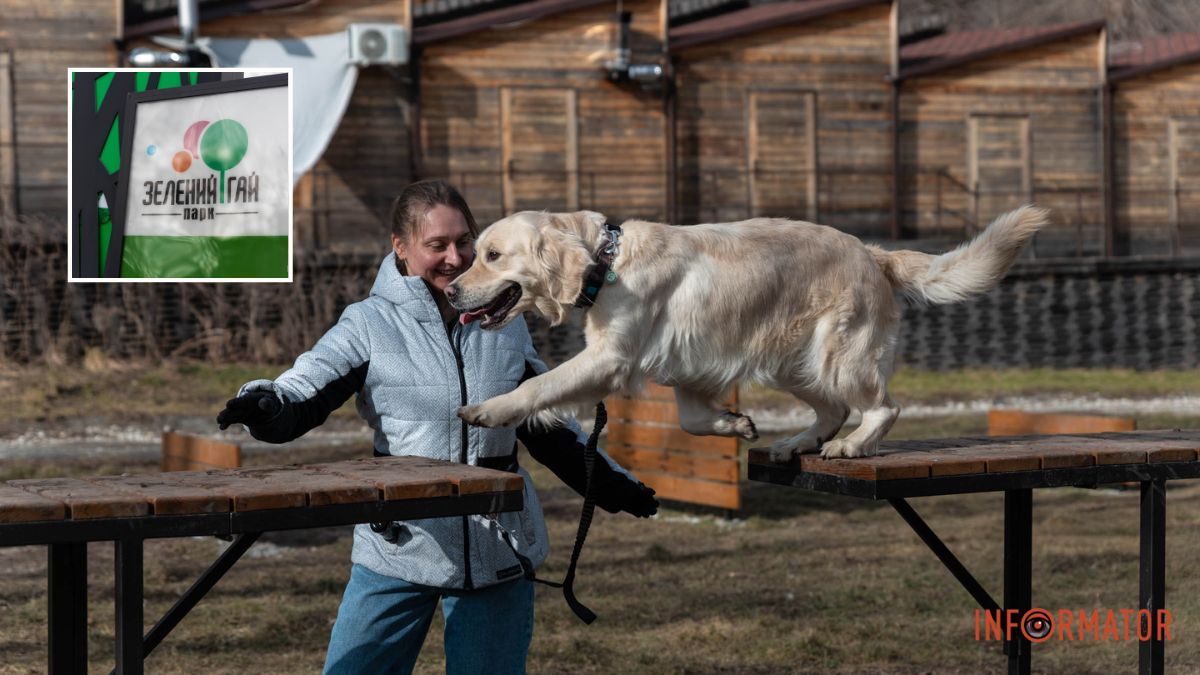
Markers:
<point>585,522</point>
<point>585,517</point>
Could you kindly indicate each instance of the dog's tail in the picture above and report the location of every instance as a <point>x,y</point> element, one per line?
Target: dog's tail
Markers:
<point>970,269</point>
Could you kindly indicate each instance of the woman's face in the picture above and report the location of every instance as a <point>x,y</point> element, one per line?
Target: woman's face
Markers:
<point>440,249</point>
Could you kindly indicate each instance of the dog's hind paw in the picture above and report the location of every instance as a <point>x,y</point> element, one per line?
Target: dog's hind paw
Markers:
<point>736,424</point>
<point>745,427</point>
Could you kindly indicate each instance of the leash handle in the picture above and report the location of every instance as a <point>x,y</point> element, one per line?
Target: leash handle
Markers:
<point>585,518</point>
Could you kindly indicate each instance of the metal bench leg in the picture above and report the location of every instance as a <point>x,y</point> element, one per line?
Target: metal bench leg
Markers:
<point>1018,570</point>
<point>943,553</point>
<point>1152,573</point>
<point>129,606</point>
<point>67,577</point>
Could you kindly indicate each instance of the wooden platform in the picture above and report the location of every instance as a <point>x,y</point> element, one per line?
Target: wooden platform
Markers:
<point>239,492</point>
<point>981,464</point>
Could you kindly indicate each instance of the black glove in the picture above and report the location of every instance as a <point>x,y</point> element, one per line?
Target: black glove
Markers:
<point>562,453</point>
<point>625,494</point>
<point>253,408</point>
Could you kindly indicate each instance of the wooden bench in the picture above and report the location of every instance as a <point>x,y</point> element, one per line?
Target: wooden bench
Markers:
<point>66,513</point>
<point>1015,466</point>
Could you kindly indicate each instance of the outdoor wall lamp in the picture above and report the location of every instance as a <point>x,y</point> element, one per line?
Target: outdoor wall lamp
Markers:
<point>620,69</point>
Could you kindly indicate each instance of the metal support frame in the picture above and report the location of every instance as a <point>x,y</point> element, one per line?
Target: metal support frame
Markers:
<point>67,625</point>
<point>129,596</point>
<point>1018,570</point>
<point>944,554</point>
<point>67,565</point>
<point>1152,572</point>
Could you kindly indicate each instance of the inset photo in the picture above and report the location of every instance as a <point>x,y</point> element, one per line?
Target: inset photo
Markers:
<point>180,175</point>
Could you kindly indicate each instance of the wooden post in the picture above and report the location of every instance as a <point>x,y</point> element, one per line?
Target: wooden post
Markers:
<point>185,452</point>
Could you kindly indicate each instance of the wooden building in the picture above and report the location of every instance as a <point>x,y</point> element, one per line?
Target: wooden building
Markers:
<point>343,203</point>
<point>784,109</point>
<point>1155,135</point>
<point>38,42</point>
<point>992,119</point>
<point>518,108</point>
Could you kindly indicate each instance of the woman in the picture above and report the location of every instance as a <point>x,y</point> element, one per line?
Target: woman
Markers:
<point>412,365</point>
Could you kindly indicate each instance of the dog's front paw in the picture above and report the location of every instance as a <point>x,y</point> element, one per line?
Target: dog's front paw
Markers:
<point>842,447</point>
<point>490,415</point>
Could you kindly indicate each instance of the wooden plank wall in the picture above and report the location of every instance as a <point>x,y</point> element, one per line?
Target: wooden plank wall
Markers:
<point>1143,111</point>
<point>44,39</point>
<point>843,59</point>
<point>347,199</point>
<point>644,436</point>
<point>1055,85</point>
<point>620,131</point>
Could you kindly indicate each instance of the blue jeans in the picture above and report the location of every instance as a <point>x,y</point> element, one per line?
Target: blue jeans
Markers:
<point>382,623</point>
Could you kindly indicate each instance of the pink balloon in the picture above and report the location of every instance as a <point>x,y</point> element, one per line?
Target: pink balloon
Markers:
<point>191,137</point>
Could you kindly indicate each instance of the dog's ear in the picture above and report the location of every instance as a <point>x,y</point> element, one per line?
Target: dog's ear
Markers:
<point>563,259</point>
<point>587,225</point>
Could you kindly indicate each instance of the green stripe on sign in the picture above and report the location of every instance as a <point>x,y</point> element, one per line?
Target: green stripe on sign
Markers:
<point>205,257</point>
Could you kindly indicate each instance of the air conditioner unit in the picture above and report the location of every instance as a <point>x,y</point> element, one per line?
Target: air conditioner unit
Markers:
<point>378,44</point>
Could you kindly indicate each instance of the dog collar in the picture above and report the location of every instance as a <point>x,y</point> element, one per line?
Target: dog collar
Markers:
<point>600,272</point>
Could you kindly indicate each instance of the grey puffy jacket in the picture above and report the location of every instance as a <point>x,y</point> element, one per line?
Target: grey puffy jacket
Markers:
<point>411,375</point>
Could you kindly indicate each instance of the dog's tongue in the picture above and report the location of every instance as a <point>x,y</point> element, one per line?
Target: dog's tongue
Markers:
<point>467,317</point>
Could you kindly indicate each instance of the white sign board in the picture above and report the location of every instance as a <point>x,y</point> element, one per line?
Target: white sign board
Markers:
<point>209,170</point>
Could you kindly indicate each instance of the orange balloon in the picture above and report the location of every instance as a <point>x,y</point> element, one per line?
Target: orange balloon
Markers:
<point>181,161</point>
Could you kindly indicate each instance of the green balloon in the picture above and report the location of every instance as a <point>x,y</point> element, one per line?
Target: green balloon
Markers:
<point>223,145</point>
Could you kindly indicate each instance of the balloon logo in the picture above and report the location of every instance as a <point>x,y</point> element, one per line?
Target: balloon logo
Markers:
<point>191,137</point>
<point>222,146</point>
<point>181,161</point>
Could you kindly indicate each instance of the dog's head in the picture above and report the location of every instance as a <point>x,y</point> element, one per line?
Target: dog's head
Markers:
<point>529,260</point>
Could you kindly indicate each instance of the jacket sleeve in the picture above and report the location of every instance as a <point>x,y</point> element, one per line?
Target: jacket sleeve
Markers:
<point>561,449</point>
<point>320,381</point>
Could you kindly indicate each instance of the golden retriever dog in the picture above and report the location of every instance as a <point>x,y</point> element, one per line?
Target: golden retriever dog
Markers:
<point>795,306</point>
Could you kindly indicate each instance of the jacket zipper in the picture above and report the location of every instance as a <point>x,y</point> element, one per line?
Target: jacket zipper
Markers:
<point>456,344</point>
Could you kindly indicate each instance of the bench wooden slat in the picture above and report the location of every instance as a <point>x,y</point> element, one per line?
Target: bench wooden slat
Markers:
<point>244,493</point>
<point>22,506</point>
<point>322,488</point>
<point>167,498</point>
<point>468,479</point>
<point>86,500</point>
<point>405,479</point>
<point>884,466</point>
